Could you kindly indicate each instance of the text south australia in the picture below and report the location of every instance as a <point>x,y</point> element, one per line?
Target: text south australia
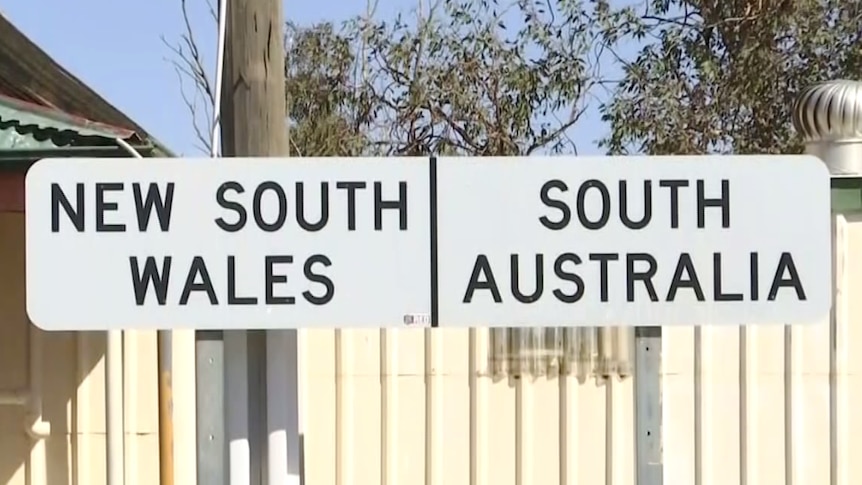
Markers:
<point>557,275</point>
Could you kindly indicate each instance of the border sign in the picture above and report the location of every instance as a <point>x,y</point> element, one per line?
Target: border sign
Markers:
<point>226,244</point>
<point>634,241</point>
<point>450,242</point>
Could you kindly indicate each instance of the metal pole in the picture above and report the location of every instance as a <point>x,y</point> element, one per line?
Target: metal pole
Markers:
<point>114,406</point>
<point>648,406</point>
<point>210,397</point>
<point>257,405</point>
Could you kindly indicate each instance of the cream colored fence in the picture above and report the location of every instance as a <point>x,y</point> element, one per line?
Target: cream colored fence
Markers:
<point>405,407</point>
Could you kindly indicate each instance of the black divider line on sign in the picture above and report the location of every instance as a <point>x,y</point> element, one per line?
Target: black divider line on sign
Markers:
<point>432,192</point>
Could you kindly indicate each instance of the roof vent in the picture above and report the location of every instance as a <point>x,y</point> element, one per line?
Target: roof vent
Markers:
<point>828,115</point>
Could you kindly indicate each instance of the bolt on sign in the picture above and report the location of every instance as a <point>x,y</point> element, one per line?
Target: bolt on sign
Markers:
<point>458,242</point>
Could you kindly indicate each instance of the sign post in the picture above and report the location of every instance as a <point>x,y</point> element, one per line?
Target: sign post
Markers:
<point>449,242</point>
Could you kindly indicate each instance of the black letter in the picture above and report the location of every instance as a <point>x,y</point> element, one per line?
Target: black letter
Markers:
<point>603,259</point>
<point>140,282</point>
<point>310,275</point>
<point>102,207</point>
<point>645,276</point>
<point>717,293</point>
<point>351,188</point>
<point>515,282</point>
<point>674,186</point>
<point>688,281</point>
<point>754,281</point>
<point>566,276</point>
<point>380,204</point>
<point>624,209</point>
<point>242,216</point>
<point>198,267</point>
<point>722,202</point>
<point>144,208</point>
<point>324,207</point>
<point>786,263</point>
<point>272,279</point>
<point>282,206</point>
<point>606,202</point>
<point>232,299</point>
<point>546,199</point>
<point>482,267</point>
<point>75,215</point>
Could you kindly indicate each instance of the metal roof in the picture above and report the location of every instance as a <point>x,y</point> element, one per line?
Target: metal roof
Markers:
<point>25,126</point>
<point>44,106</point>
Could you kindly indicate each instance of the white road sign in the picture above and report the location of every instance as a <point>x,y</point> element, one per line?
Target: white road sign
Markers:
<point>633,241</point>
<point>230,243</point>
<point>454,242</point>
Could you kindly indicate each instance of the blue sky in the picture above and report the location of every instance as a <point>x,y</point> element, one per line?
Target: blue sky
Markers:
<point>116,47</point>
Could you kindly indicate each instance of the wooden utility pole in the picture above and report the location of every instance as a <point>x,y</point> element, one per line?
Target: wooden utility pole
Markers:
<point>253,125</point>
<point>254,80</point>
